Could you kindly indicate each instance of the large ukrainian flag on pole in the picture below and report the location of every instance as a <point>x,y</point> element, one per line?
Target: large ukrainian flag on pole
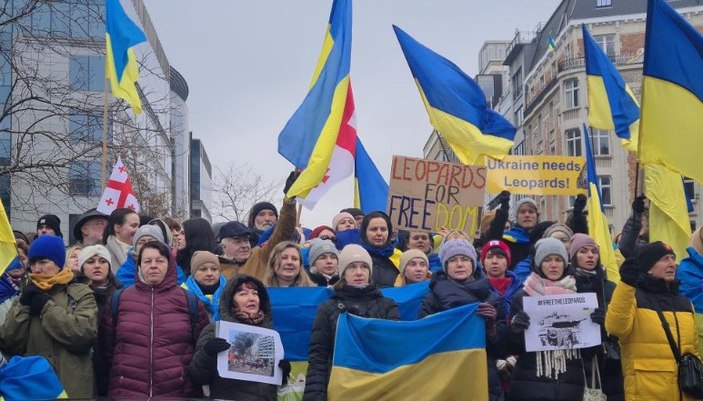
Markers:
<point>456,105</point>
<point>308,139</point>
<point>370,189</point>
<point>611,103</point>
<point>121,35</point>
<point>440,357</point>
<point>597,222</point>
<point>8,248</point>
<point>671,125</point>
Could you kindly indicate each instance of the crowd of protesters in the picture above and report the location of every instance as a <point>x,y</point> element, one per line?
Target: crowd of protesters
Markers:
<point>129,310</point>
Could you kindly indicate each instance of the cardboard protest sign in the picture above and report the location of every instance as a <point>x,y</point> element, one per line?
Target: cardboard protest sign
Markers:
<point>426,195</point>
<point>538,175</point>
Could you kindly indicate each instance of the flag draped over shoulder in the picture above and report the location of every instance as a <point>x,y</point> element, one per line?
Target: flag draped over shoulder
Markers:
<point>456,105</point>
<point>611,104</point>
<point>671,126</point>
<point>377,359</point>
<point>121,35</point>
<point>29,378</point>
<point>8,249</point>
<point>370,189</point>
<point>597,222</point>
<point>309,138</point>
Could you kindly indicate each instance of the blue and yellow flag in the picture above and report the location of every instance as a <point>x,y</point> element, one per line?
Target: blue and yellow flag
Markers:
<point>8,248</point>
<point>377,359</point>
<point>309,137</point>
<point>668,209</point>
<point>456,105</point>
<point>29,378</point>
<point>370,189</point>
<point>611,104</point>
<point>121,35</point>
<point>671,124</point>
<point>551,44</point>
<point>597,222</point>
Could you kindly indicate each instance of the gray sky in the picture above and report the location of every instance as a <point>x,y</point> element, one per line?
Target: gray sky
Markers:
<point>248,65</point>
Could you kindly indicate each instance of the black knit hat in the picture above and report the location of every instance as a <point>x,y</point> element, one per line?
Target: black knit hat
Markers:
<point>649,254</point>
<point>257,208</point>
<point>52,221</point>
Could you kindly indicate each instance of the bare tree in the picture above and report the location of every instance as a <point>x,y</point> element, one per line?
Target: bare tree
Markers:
<point>238,188</point>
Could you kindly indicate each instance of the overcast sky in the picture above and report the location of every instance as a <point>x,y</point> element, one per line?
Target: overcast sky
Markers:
<point>248,65</point>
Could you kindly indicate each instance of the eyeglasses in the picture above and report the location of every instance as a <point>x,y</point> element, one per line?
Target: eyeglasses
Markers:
<point>324,237</point>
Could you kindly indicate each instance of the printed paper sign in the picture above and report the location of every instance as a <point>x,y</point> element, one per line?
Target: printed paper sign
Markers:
<point>561,322</point>
<point>427,195</point>
<point>538,175</point>
<point>253,355</point>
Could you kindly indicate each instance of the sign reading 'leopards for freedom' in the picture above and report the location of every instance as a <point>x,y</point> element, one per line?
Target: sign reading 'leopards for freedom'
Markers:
<point>538,175</point>
<point>427,195</point>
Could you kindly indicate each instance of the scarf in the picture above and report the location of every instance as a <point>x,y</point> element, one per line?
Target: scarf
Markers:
<point>46,281</point>
<point>551,363</point>
<point>252,319</point>
<point>517,235</point>
<point>118,251</point>
<point>212,301</point>
<point>8,286</point>
<point>383,252</point>
<point>501,284</point>
<point>536,285</point>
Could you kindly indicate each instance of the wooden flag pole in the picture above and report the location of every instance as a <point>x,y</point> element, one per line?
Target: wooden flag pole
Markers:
<point>298,213</point>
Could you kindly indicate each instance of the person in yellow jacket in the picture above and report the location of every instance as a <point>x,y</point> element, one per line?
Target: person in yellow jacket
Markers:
<point>647,284</point>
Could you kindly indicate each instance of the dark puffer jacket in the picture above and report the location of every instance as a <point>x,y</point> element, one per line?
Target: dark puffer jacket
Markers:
<point>384,272</point>
<point>526,385</point>
<point>203,368</point>
<point>365,302</point>
<point>446,293</point>
<point>150,346</point>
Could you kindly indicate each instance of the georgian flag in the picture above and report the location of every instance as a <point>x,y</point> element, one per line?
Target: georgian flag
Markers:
<point>118,191</point>
<point>342,163</point>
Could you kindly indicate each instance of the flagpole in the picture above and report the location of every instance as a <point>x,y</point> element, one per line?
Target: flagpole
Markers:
<point>103,172</point>
<point>298,213</point>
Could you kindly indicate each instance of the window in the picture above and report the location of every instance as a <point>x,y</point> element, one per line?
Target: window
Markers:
<point>690,190</point>
<point>518,117</point>
<point>607,43</point>
<point>600,142</point>
<point>603,3</point>
<point>573,142</point>
<point>86,127</point>
<point>84,178</point>
<point>606,190</point>
<point>5,148</point>
<point>86,73</point>
<point>571,93</point>
<point>516,83</point>
<point>520,148</point>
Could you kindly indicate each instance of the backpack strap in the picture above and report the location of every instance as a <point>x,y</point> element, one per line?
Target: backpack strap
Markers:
<point>115,305</point>
<point>194,313</point>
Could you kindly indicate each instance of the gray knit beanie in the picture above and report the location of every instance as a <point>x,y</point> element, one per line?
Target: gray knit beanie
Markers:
<point>152,231</point>
<point>549,246</point>
<point>455,247</point>
<point>523,201</point>
<point>319,247</point>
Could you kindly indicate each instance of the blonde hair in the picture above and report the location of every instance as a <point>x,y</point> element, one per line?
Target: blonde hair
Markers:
<point>70,251</point>
<point>302,280</point>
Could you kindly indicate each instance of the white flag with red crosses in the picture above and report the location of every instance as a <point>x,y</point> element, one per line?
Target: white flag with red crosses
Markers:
<point>118,191</point>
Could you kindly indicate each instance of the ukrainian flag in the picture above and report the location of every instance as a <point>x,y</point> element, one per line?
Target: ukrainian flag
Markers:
<point>671,127</point>
<point>611,103</point>
<point>121,35</point>
<point>597,222</point>
<point>551,44</point>
<point>29,378</point>
<point>668,209</point>
<point>370,189</point>
<point>377,359</point>
<point>8,248</point>
<point>456,105</point>
<point>309,137</point>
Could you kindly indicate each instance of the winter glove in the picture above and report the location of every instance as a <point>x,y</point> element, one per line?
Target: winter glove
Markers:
<point>520,322</point>
<point>216,345</point>
<point>285,367</point>
<point>487,311</point>
<point>290,181</point>
<point>638,204</point>
<point>630,272</point>
<point>28,293</point>
<point>598,316</point>
<point>39,299</point>
<point>580,203</point>
<point>504,200</point>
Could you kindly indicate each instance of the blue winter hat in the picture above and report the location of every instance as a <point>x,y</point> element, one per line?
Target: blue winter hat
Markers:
<point>48,247</point>
<point>455,247</point>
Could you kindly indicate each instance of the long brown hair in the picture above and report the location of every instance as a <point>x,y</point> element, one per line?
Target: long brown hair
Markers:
<point>303,280</point>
